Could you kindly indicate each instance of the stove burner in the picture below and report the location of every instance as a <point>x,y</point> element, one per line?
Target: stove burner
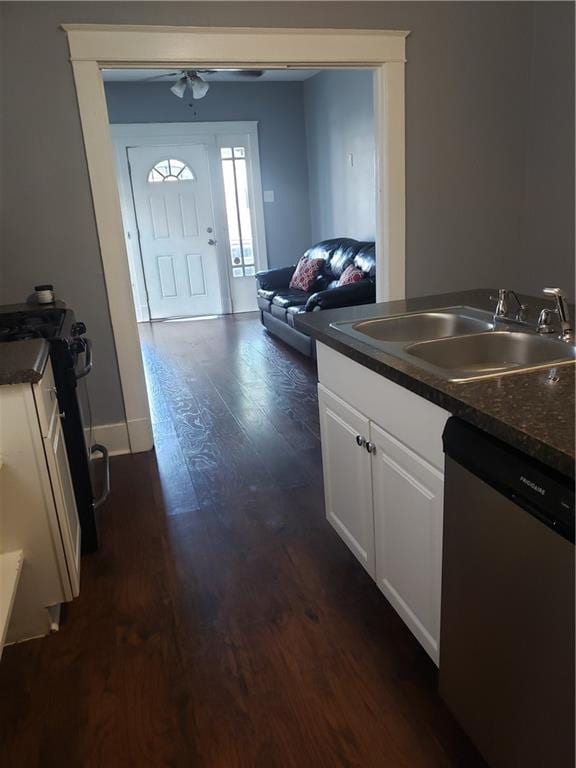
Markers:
<point>15,333</point>
<point>20,326</point>
<point>23,335</point>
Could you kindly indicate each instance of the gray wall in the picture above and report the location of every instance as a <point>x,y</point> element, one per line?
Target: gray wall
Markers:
<point>470,82</point>
<point>549,211</point>
<point>339,110</point>
<point>2,268</point>
<point>279,109</point>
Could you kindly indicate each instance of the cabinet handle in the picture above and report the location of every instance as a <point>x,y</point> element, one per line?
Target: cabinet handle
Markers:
<point>370,447</point>
<point>360,440</point>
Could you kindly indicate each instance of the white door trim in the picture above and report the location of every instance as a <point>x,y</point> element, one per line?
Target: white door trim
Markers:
<point>125,135</point>
<point>93,47</point>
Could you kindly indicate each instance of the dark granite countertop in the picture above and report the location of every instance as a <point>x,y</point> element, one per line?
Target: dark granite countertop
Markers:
<point>31,306</point>
<point>22,362</point>
<point>521,409</point>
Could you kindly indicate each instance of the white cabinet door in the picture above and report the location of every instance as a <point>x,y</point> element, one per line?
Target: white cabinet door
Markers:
<point>65,501</point>
<point>408,498</point>
<point>347,475</point>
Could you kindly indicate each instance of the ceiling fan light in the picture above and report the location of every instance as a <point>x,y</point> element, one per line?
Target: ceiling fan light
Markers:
<point>179,87</point>
<point>198,87</point>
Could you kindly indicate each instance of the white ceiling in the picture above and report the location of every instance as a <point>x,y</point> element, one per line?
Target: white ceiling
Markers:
<point>144,75</point>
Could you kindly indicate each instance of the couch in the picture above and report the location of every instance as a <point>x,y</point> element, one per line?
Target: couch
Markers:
<point>279,304</point>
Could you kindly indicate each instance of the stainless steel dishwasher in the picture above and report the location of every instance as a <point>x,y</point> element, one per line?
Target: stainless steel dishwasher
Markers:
<point>507,631</point>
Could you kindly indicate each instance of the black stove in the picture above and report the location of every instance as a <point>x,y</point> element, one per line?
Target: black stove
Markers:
<point>71,358</point>
<point>31,324</point>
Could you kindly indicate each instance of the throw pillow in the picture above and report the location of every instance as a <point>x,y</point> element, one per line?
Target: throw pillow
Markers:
<point>306,273</point>
<point>351,275</point>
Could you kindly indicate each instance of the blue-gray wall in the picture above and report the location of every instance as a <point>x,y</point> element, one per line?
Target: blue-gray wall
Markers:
<point>340,142</point>
<point>279,109</point>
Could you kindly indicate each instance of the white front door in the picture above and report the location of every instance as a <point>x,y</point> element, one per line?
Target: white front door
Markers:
<point>173,205</point>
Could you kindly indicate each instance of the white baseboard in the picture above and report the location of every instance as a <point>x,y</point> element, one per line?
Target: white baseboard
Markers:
<point>140,435</point>
<point>134,436</point>
<point>113,436</point>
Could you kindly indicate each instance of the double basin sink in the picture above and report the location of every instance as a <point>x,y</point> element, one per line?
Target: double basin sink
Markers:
<point>461,343</point>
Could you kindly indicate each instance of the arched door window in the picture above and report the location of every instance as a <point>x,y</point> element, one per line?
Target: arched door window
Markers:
<point>170,170</point>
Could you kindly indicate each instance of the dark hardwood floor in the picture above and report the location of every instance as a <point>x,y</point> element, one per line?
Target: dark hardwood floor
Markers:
<point>223,624</point>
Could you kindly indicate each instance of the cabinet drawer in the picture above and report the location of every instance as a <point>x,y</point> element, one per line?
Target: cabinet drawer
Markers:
<point>46,400</point>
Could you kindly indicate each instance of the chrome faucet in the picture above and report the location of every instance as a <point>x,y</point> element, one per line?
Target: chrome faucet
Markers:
<point>545,324</point>
<point>503,307</point>
<point>563,313</point>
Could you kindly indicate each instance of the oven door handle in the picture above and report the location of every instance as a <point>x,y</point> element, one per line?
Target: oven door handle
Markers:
<point>98,448</point>
<point>87,359</point>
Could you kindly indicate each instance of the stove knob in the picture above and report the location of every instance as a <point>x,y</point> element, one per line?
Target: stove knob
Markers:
<point>78,329</point>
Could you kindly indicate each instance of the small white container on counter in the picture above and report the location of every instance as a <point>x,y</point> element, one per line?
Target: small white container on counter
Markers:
<point>44,294</point>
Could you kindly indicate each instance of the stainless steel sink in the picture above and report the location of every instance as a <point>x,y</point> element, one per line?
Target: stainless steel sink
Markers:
<point>424,326</point>
<point>488,354</point>
<point>459,343</point>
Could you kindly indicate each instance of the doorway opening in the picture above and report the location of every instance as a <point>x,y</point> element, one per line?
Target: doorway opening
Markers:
<point>94,48</point>
<point>198,224</point>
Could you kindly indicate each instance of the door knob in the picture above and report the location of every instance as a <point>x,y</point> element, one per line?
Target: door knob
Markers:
<point>211,241</point>
<point>360,440</point>
<point>370,447</point>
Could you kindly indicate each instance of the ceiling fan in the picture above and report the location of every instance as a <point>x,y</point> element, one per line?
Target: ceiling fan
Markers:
<point>195,79</point>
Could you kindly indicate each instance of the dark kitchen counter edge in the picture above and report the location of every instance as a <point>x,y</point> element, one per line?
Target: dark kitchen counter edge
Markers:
<point>23,362</point>
<point>319,328</point>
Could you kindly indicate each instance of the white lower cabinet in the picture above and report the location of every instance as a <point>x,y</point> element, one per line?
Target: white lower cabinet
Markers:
<point>347,475</point>
<point>63,491</point>
<point>384,485</point>
<point>38,515</point>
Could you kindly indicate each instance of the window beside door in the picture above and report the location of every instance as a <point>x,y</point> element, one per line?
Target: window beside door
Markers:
<point>238,213</point>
